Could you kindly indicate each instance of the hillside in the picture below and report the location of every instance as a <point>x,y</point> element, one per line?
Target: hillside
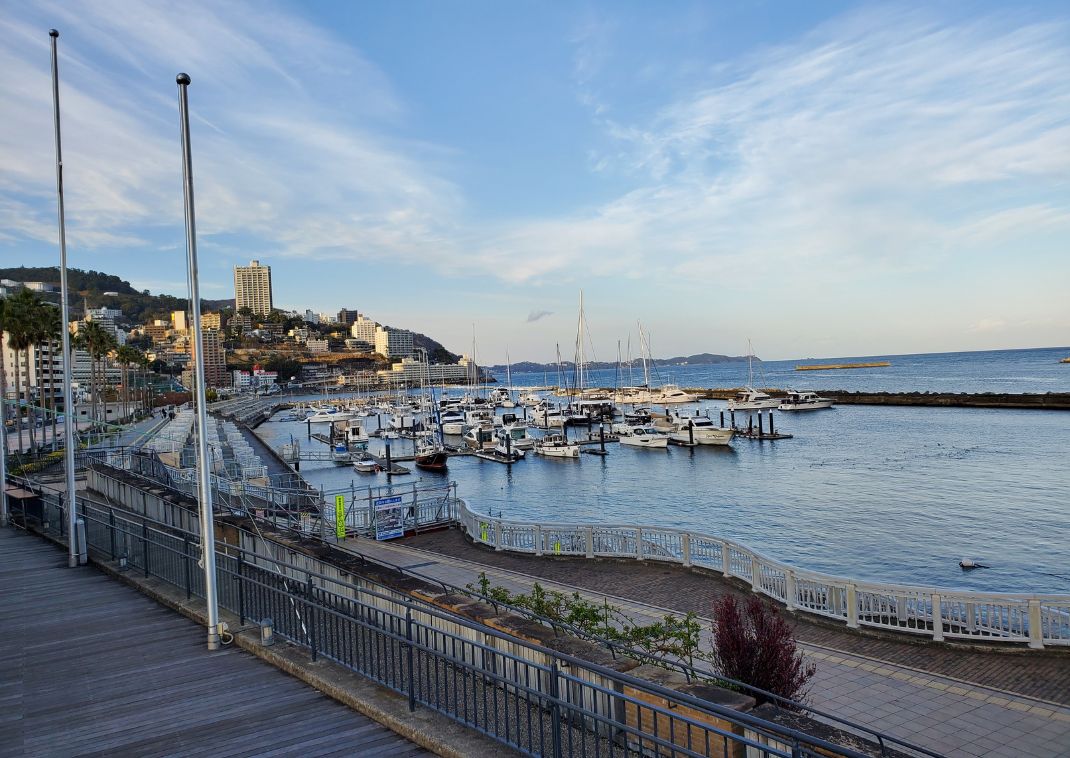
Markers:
<point>699,359</point>
<point>88,288</point>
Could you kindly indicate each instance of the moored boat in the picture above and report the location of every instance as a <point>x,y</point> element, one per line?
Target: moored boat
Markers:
<point>642,436</point>
<point>750,399</point>
<point>556,446</point>
<point>804,400</point>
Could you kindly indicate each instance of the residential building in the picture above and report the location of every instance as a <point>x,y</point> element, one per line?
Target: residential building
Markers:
<point>157,331</point>
<point>40,286</point>
<point>106,317</point>
<point>393,343</point>
<point>363,329</point>
<point>215,361</point>
<point>39,368</point>
<point>211,321</point>
<point>347,317</point>
<point>252,288</point>
<point>317,346</point>
<point>255,379</point>
<point>178,321</point>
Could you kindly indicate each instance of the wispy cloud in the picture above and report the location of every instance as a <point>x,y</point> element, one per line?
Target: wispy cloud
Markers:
<point>536,315</point>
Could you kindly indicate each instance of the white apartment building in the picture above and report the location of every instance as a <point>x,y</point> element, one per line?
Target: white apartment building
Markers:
<point>252,288</point>
<point>393,343</point>
<point>412,372</point>
<point>47,378</point>
<point>363,329</point>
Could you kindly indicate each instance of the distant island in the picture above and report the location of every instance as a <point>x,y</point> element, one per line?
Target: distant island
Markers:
<point>699,359</point>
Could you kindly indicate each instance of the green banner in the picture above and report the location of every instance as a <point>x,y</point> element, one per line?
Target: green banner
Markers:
<point>340,516</point>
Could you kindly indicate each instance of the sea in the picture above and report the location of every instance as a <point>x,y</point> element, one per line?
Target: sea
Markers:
<point>876,493</point>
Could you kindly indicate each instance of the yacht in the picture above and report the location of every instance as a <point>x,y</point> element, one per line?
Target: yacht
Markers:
<point>366,463</point>
<point>329,415</point>
<point>518,434</point>
<point>556,446</point>
<point>531,398</point>
<point>452,422</point>
<point>750,399</point>
<point>804,400</point>
<point>642,436</point>
<point>501,398</point>
<point>480,437</point>
<point>686,429</point>
<point>504,447</point>
<point>545,415</point>
<point>634,396</point>
<point>430,455</point>
<point>670,393</point>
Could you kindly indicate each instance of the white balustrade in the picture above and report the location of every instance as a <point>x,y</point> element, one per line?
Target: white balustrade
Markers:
<point>1036,620</point>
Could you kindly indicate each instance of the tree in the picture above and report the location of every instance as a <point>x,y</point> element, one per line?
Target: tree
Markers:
<point>755,645</point>
<point>98,343</point>
<point>22,313</point>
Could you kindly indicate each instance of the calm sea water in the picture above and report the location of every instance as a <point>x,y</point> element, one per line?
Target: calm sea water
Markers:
<point>1036,370</point>
<point>879,493</point>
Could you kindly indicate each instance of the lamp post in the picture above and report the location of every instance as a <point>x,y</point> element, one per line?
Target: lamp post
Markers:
<point>69,419</point>
<point>203,474</point>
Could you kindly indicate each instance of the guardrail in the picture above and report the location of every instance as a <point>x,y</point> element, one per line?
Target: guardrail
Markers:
<point>1035,620</point>
<point>534,699</point>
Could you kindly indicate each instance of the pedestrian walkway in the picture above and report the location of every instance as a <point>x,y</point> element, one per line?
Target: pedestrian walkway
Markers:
<point>958,702</point>
<point>89,666</point>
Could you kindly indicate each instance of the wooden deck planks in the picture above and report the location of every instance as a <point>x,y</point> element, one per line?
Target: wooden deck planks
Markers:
<point>89,666</point>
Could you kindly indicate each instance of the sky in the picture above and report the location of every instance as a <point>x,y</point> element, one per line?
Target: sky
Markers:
<point>824,179</point>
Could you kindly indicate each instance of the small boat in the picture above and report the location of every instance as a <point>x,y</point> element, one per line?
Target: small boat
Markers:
<point>642,436</point>
<point>366,463</point>
<point>504,448</point>
<point>556,446</point>
<point>670,393</point>
<point>330,415</point>
<point>480,437</point>
<point>637,417</point>
<point>518,434</point>
<point>299,414</point>
<point>750,399</point>
<point>501,398</point>
<point>430,455</point>
<point>687,429</point>
<point>531,398</point>
<point>804,400</point>
<point>545,415</point>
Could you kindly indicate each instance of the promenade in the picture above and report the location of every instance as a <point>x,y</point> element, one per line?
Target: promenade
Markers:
<point>953,700</point>
<point>89,666</point>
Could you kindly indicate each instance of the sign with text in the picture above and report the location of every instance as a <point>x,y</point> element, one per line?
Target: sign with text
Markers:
<point>389,518</point>
<point>340,516</point>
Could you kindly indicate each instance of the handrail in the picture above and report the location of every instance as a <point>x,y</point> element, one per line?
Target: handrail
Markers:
<point>1035,619</point>
<point>314,599</point>
<point>614,648</point>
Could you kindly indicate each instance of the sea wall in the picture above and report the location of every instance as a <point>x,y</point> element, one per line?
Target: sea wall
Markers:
<point>1052,401</point>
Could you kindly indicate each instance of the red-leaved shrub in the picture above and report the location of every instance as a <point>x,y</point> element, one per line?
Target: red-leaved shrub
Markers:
<point>755,645</point>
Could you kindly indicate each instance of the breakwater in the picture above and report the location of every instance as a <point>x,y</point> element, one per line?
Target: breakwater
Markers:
<point>831,366</point>
<point>1055,401</point>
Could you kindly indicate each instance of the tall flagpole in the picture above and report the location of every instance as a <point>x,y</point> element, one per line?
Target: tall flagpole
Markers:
<point>69,419</point>
<point>203,473</point>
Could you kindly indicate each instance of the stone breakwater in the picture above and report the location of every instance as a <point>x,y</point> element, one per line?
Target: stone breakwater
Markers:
<point>1058,401</point>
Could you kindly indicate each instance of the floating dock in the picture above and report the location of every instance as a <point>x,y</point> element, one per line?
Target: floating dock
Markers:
<point>831,366</point>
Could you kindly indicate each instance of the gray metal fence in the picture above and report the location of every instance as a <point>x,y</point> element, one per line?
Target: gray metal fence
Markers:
<point>536,700</point>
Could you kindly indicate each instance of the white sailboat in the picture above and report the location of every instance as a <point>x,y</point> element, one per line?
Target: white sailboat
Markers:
<point>749,398</point>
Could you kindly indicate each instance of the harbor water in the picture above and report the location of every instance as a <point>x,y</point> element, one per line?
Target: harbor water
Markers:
<point>886,494</point>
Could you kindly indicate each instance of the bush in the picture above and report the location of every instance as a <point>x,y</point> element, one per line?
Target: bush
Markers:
<point>755,645</point>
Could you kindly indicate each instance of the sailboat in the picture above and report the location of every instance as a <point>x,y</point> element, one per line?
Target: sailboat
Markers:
<point>430,453</point>
<point>749,398</point>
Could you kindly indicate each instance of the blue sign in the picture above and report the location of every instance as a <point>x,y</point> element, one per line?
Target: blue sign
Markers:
<point>387,500</point>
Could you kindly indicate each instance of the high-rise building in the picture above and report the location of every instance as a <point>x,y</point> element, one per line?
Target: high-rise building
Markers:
<point>347,317</point>
<point>211,321</point>
<point>393,343</point>
<point>178,321</point>
<point>363,329</point>
<point>215,361</point>
<point>252,288</point>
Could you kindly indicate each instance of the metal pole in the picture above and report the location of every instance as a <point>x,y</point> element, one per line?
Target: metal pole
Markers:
<point>205,489</point>
<point>68,401</point>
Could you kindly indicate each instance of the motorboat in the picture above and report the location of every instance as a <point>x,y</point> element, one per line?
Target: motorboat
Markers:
<point>642,436</point>
<point>556,446</point>
<point>545,415</point>
<point>501,398</point>
<point>750,399</point>
<point>299,414</point>
<point>804,400</point>
<point>328,415</point>
<point>430,455</point>
<point>366,463</point>
<point>584,411</point>
<point>693,429</point>
<point>401,421</point>
<point>670,393</point>
<point>353,434</point>
<point>504,447</point>
<point>480,437</point>
<point>452,422</point>
<point>637,417</point>
<point>518,433</point>
<point>634,396</point>
<point>531,398</point>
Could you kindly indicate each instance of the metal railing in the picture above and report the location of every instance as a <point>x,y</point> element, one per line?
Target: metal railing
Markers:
<point>1036,620</point>
<point>534,699</point>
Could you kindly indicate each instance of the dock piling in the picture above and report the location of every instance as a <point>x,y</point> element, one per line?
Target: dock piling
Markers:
<point>389,463</point>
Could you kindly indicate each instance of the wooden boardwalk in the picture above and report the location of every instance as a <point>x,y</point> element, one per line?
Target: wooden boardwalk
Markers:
<point>89,666</point>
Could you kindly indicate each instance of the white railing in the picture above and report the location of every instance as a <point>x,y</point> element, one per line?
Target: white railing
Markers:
<point>1036,620</point>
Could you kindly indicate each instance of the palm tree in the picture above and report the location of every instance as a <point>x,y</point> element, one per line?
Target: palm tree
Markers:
<point>49,336</point>
<point>127,356</point>
<point>21,316</point>
<point>98,342</point>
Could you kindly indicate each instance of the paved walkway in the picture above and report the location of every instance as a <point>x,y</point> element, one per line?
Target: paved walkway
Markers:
<point>89,666</point>
<point>961,703</point>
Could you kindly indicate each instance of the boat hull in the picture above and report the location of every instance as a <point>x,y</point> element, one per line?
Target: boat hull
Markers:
<point>815,406</point>
<point>653,443</point>
<point>432,461</point>
<point>702,436</point>
<point>570,451</point>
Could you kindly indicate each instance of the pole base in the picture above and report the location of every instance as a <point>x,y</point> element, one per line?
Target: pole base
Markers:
<point>72,561</point>
<point>213,640</point>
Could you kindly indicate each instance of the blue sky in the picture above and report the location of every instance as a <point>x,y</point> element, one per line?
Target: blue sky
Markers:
<point>823,178</point>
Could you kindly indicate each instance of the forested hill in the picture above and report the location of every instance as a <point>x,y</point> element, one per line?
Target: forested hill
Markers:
<point>700,359</point>
<point>88,287</point>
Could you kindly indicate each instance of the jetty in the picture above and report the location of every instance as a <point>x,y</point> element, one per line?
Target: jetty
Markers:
<point>831,366</point>
<point>1065,360</point>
